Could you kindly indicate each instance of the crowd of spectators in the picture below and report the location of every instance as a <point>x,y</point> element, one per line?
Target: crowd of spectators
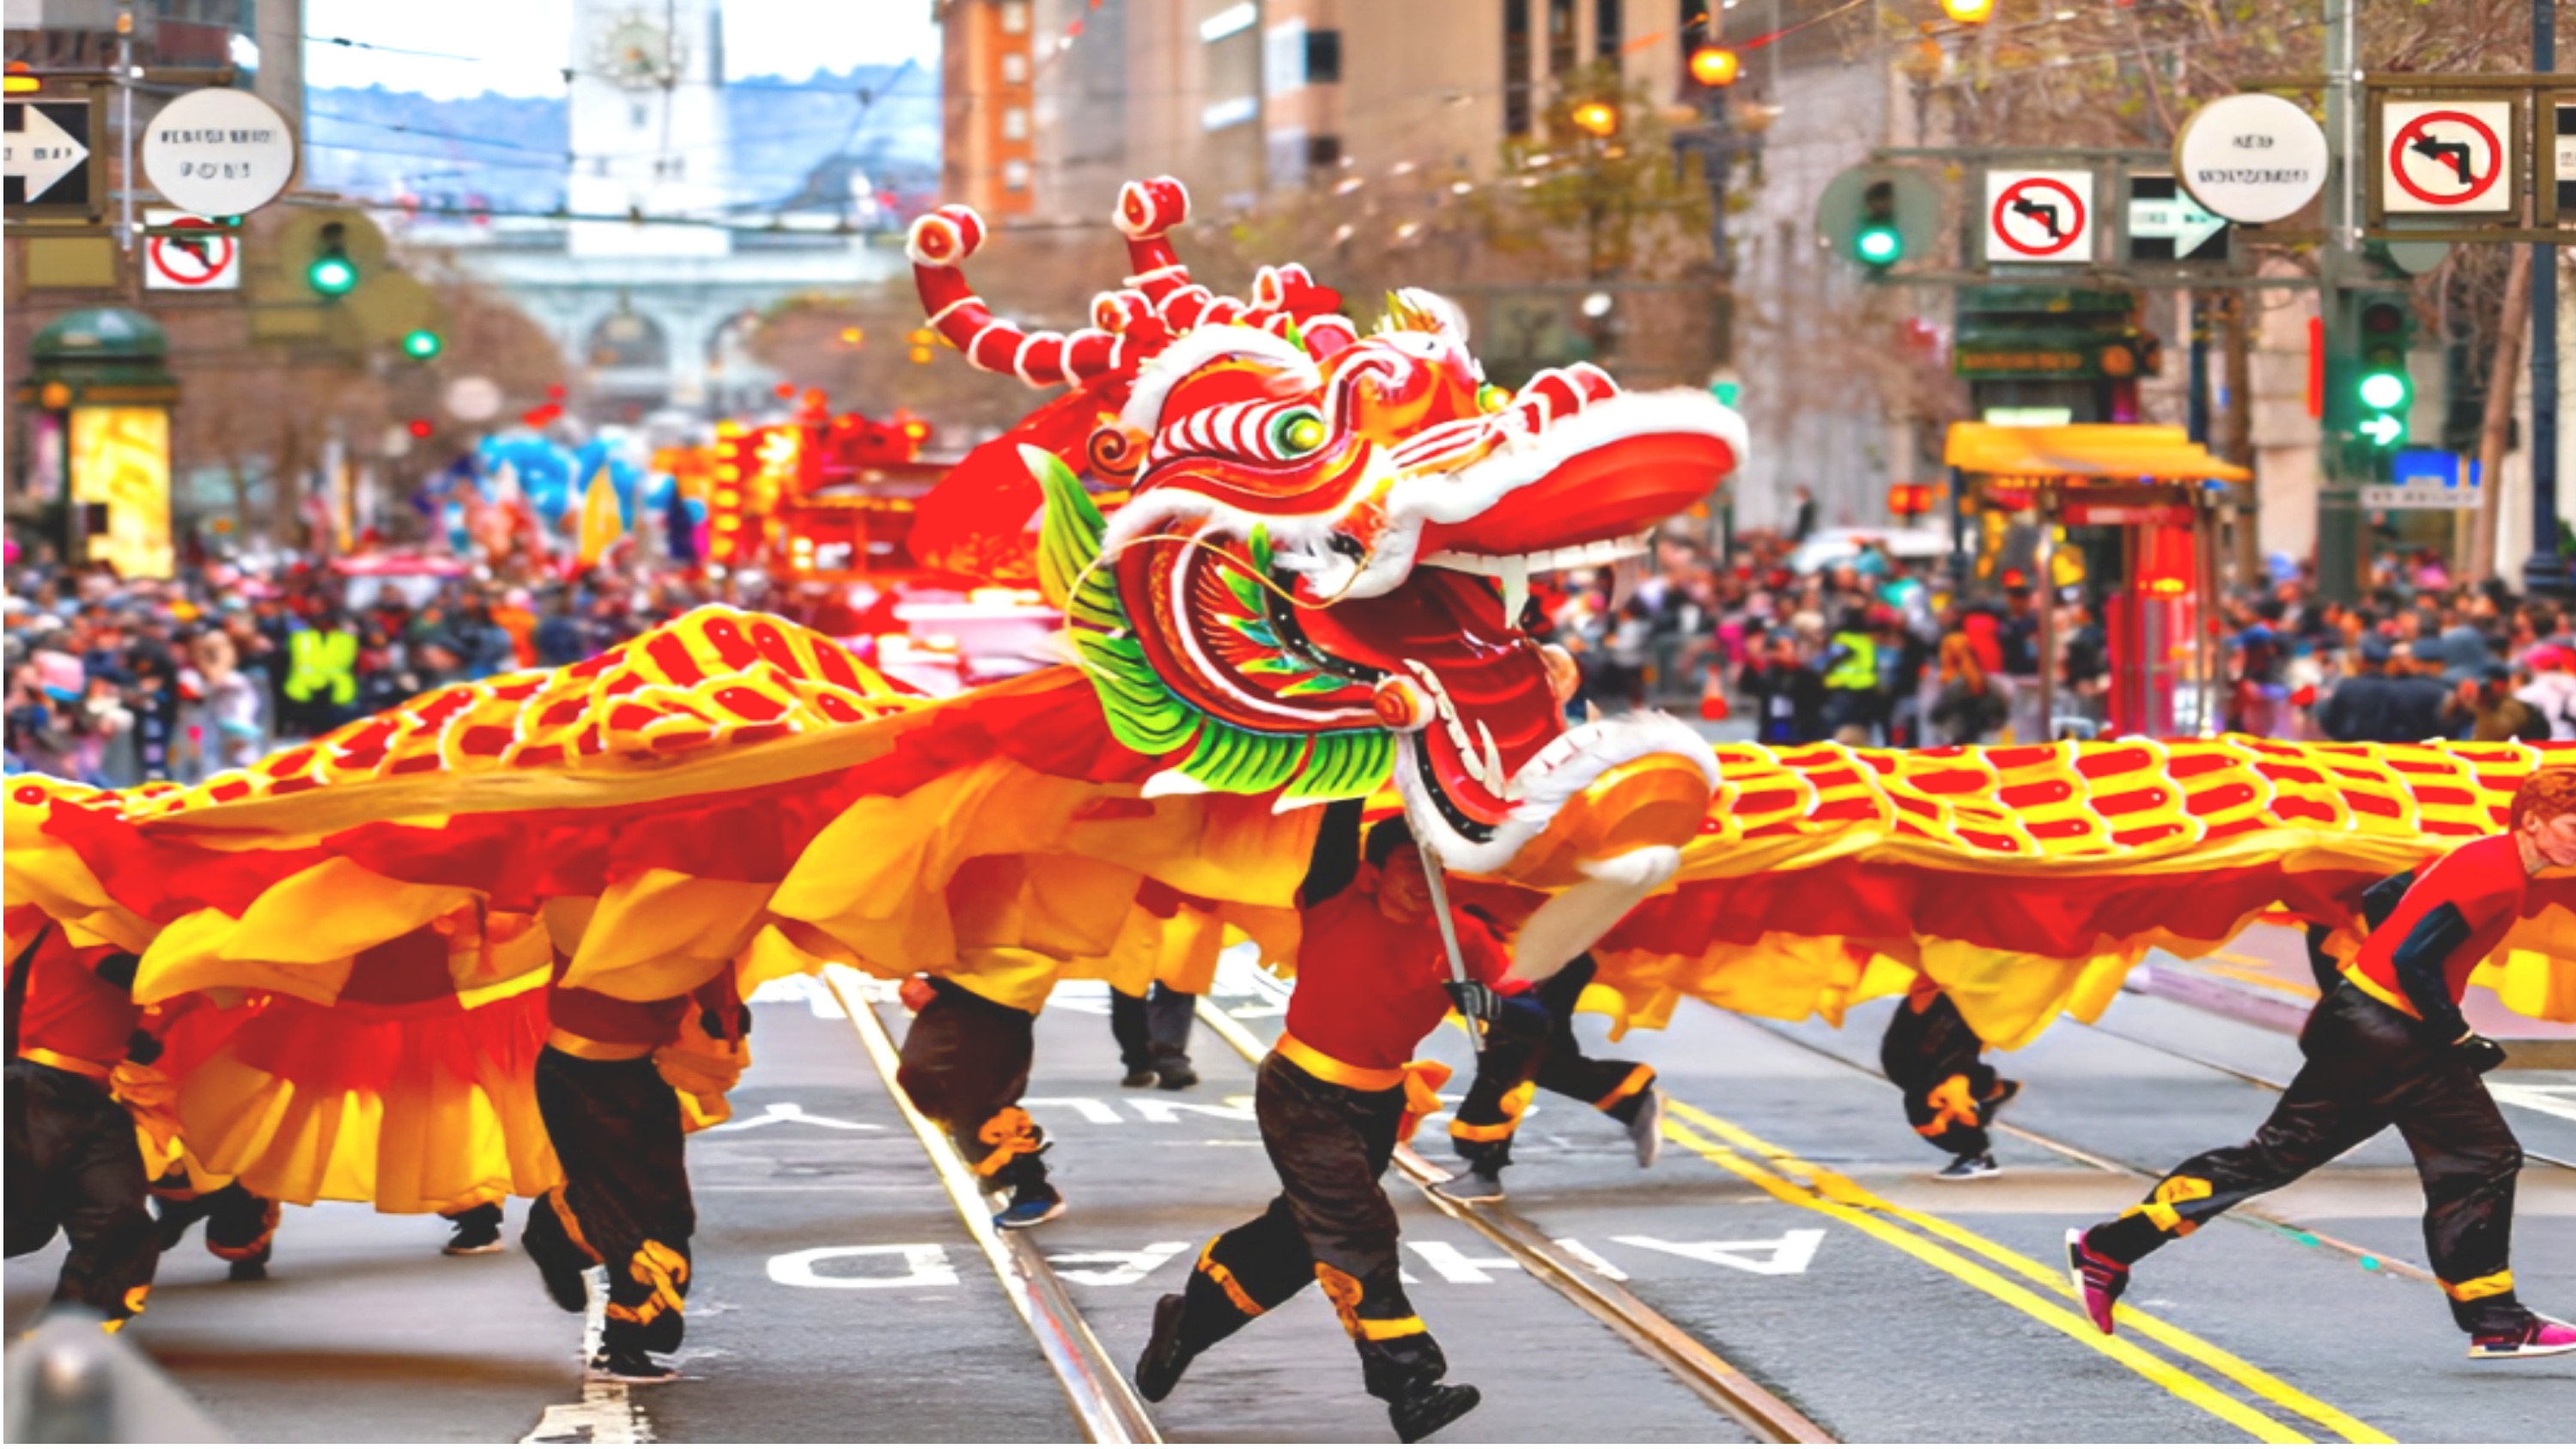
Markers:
<point>1877,650</point>
<point>113,682</point>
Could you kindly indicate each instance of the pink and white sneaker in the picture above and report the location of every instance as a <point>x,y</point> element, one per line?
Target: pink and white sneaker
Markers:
<point>2098,1280</point>
<point>2539,1338</point>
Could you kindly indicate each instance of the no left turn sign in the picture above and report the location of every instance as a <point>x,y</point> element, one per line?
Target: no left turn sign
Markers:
<point>210,262</point>
<point>2446,157</point>
<point>2039,216</point>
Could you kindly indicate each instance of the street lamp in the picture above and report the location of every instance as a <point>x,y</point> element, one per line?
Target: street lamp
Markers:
<point>1715,65</point>
<point>1969,12</point>
<point>1598,118</point>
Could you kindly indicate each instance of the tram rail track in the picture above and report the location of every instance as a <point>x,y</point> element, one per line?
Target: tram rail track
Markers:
<point>1102,1400</point>
<point>1765,1415</point>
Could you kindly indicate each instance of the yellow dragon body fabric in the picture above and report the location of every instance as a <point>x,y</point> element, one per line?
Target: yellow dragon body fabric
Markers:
<point>1313,591</point>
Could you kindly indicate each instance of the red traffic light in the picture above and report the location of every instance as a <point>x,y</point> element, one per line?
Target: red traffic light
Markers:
<point>1912,500</point>
<point>421,427</point>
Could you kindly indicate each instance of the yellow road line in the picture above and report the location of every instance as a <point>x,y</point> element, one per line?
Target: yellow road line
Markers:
<point>1835,1186</point>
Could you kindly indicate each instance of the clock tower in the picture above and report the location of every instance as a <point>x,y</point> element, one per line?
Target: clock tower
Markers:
<point>648,126</point>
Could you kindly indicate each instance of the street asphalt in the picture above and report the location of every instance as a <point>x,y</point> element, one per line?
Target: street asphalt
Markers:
<point>1793,1225</point>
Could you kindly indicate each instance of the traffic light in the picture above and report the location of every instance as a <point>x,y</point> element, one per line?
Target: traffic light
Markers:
<point>1878,243</point>
<point>2379,331</point>
<point>921,339</point>
<point>1912,500</point>
<point>331,273</point>
<point>1596,118</point>
<point>421,427</point>
<point>1715,65</point>
<point>421,344</point>
<point>1969,12</point>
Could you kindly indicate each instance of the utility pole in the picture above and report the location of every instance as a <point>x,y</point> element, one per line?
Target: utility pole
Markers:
<point>2339,521</point>
<point>2544,573</point>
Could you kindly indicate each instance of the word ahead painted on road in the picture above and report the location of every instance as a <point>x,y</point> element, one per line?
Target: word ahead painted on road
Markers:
<point>1787,1254</point>
<point>2039,216</point>
<point>49,166</point>
<point>911,1265</point>
<point>2446,158</point>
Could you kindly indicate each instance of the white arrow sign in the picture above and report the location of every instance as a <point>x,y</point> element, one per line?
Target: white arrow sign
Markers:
<point>40,152</point>
<point>2185,223</point>
<point>2383,429</point>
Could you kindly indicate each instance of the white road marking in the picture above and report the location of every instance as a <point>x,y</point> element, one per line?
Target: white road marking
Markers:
<point>1788,1253</point>
<point>1446,1260</point>
<point>607,1413</point>
<point>1162,1113</point>
<point>2556,1101</point>
<point>783,990</point>
<point>1092,1109</point>
<point>790,1112</point>
<point>1122,1270</point>
<point>925,1265</point>
<point>1592,1260</point>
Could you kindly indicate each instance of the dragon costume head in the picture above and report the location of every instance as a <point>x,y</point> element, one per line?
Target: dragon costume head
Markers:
<point>1319,575</point>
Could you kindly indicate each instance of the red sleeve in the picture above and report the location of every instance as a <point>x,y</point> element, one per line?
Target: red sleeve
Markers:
<point>1488,959</point>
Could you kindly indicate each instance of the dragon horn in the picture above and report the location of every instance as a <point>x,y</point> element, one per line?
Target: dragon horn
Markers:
<point>1146,211</point>
<point>938,245</point>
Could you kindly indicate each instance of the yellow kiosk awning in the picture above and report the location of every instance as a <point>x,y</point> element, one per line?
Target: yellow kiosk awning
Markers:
<point>2086,450</point>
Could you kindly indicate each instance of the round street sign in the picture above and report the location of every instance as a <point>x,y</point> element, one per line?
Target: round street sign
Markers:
<point>2251,158</point>
<point>2038,217</point>
<point>218,152</point>
<point>475,399</point>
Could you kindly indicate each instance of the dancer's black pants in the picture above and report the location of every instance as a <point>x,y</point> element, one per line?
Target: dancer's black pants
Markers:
<point>1154,1028</point>
<point>1934,1057</point>
<point>1513,1067</point>
<point>75,1168</point>
<point>965,1065</point>
<point>2368,1067</point>
<point>625,1199</point>
<point>1331,1224</point>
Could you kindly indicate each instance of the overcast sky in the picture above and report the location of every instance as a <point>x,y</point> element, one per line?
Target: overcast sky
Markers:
<point>518,47</point>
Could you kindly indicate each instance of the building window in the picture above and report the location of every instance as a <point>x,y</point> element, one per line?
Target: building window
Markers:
<point>1015,67</point>
<point>1323,152</point>
<point>1516,67</point>
<point>1609,32</point>
<point>1233,111</point>
<point>1560,36</point>
<point>1696,34</point>
<point>1323,57</point>
<point>1230,20</point>
<point>1015,176</point>
<point>1015,123</point>
<point>1015,17</point>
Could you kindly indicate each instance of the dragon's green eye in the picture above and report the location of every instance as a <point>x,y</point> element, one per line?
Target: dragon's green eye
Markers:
<point>1297,432</point>
<point>1493,399</point>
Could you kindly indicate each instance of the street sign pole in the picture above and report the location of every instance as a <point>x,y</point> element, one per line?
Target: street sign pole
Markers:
<point>2544,572</point>
<point>2339,521</point>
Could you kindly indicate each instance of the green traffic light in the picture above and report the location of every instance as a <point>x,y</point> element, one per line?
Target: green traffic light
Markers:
<point>1878,245</point>
<point>420,344</point>
<point>332,276</point>
<point>2385,391</point>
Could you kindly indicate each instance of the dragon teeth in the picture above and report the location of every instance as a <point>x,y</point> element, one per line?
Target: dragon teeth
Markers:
<point>1507,567</point>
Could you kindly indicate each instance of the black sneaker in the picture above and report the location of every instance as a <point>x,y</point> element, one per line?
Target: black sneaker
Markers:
<point>1428,1410</point>
<point>1159,1367</point>
<point>1646,1133</point>
<point>2098,1280</point>
<point>1140,1078</point>
<point>1177,1074</point>
<point>1031,1204</point>
<point>560,1262</point>
<point>1969,1166</point>
<point>475,1235</point>
<point>628,1366</point>
<point>248,1270</point>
